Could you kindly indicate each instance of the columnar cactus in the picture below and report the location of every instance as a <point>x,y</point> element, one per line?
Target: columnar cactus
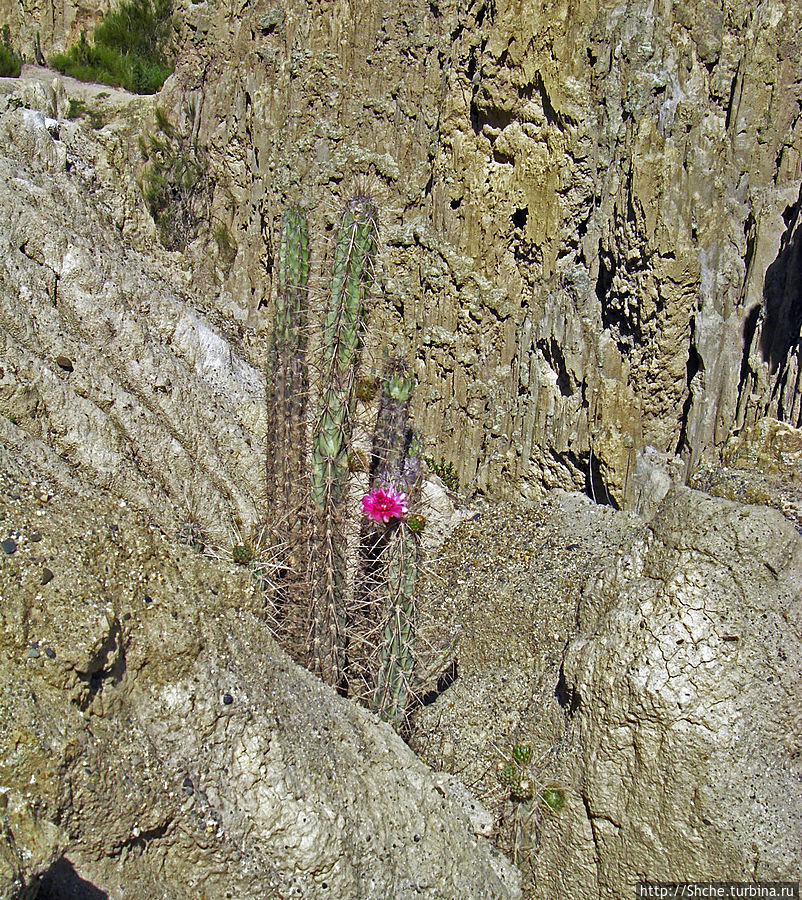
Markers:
<point>366,643</point>
<point>352,277</point>
<point>286,461</point>
<point>394,679</point>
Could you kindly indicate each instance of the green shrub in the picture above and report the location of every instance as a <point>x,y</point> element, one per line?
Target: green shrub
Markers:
<point>79,110</point>
<point>129,49</point>
<point>445,471</point>
<point>10,60</point>
<point>177,186</point>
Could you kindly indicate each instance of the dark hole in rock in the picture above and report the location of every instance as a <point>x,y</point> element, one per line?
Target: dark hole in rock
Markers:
<point>782,294</point>
<point>519,218</point>
<point>444,682</point>
<point>567,697</point>
<point>62,882</point>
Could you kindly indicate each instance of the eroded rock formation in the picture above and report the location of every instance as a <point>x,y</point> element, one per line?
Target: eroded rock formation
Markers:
<point>589,210</point>
<point>659,690</point>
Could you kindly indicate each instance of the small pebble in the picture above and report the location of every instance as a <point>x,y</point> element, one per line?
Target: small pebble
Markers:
<point>47,576</point>
<point>65,363</point>
<point>9,546</point>
<point>228,699</point>
<point>148,598</point>
<point>188,787</point>
<point>35,536</point>
<point>49,653</point>
<point>33,654</point>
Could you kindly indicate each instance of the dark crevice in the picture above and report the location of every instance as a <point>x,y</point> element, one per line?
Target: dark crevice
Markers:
<point>595,484</point>
<point>693,365</point>
<point>553,354</point>
<point>519,217</point>
<point>444,682</point>
<point>615,313</point>
<point>631,214</point>
<point>604,280</point>
<point>144,837</point>
<point>471,70</point>
<point>749,329</point>
<point>102,671</point>
<point>567,697</point>
<point>749,234</point>
<point>782,295</point>
<point>551,114</point>
<point>493,116</point>
<point>731,101</point>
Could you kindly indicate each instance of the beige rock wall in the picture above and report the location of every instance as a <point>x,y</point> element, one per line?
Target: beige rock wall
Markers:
<point>580,203</point>
<point>654,670</point>
<point>580,206</point>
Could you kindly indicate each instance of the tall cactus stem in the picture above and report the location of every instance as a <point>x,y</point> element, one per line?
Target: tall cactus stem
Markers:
<point>288,370</point>
<point>352,277</point>
<point>397,658</point>
<point>287,462</point>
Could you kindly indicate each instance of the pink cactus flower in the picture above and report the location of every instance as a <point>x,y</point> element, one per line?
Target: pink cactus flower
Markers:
<point>384,504</point>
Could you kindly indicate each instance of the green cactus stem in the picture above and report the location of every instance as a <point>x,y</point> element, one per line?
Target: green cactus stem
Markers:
<point>394,680</point>
<point>287,462</point>
<point>391,436</point>
<point>352,277</point>
<point>289,378</point>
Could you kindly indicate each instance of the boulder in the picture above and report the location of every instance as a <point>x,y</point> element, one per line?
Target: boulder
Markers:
<point>654,671</point>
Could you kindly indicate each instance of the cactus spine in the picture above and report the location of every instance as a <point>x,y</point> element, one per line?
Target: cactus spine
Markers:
<point>352,277</point>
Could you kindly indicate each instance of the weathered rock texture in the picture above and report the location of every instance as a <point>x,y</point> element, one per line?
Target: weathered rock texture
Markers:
<point>589,209</point>
<point>683,688</point>
<point>109,353</point>
<point>591,234</point>
<point>661,694</point>
<point>157,744</point>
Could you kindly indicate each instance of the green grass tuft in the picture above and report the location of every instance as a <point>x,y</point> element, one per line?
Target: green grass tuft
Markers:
<point>10,60</point>
<point>129,49</point>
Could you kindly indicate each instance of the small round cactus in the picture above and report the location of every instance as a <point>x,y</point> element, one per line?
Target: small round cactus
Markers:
<point>508,773</point>
<point>416,523</point>
<point>242,554</point>
<point>554,798</point>
<point>522,789</point>
<point>522,753</point>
